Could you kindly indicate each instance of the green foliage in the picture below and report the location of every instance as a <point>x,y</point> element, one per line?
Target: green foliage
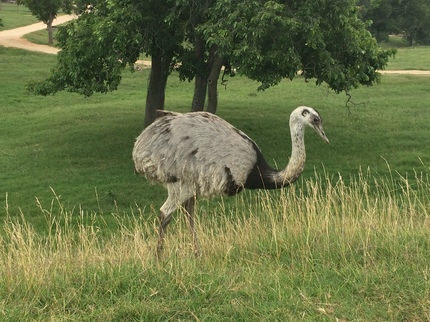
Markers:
<point>85,65</point>
<point>381,15</point>
<point>266,40</point>
<point>87,70</point>
<point>47,10</point>
<point>410,18</point>
<point>270,40</point>
<point>414,20</point>
<point>102,41</point>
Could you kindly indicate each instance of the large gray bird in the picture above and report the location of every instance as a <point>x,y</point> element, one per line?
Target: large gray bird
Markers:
<point>200,155</point>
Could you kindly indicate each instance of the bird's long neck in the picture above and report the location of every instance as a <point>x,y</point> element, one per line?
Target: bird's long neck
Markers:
<point>296,163</point>
<point>263,176</point>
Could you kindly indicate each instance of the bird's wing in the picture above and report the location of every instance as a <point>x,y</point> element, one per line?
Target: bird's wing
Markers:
<point>199,148</point>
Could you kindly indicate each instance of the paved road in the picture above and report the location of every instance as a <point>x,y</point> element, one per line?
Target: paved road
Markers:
<point>14,38</point>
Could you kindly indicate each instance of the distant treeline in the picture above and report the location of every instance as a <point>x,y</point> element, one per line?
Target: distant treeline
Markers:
<point>410,18</point>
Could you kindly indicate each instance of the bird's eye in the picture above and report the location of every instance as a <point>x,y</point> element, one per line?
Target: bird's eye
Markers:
<point>316,120</point>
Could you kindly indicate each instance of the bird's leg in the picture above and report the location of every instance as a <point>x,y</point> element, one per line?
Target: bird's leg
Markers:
<point>164,221</point>
<point>189,210</point>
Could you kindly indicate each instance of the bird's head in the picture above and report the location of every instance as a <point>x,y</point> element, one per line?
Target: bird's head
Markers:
<point>312,118</point>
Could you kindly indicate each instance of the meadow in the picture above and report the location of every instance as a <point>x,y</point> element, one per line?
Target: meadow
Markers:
<point>348,242</point>
<point>14,16</point>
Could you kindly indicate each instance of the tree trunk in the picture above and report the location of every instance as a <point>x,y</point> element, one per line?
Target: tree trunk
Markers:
<point>213,85</point>
<point>199,97</point>
<point>155,96</point>
<point>206,79</point>
<point>200,81</point>
<point>50,32</point>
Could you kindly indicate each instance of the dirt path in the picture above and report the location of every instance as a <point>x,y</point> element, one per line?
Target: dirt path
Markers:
<point>14,38</point>
<point>406,72</point>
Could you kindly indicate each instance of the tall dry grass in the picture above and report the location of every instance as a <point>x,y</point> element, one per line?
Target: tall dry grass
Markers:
<point>321,217</point>
<point>371,227</point>
<point>72,244</point>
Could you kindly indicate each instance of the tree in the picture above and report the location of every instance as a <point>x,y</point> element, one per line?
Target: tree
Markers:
<point>47,10</point>
<point>321,39</point>
<point>413,18</point>
<point>382,15</point>
<point>265,40</point>
<point>198,61</point>
<point>107,37</point>
<point>408,17</point>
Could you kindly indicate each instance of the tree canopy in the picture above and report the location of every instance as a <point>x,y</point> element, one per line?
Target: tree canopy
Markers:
<point>267,41</point>
<point>47,10</point>
<point>108,36</point>
<point>410,18</point>
<point>324,40</point>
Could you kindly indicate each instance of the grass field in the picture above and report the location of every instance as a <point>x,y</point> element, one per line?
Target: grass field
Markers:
<point>348,242</point>
<point>81,147</point>
<point>411,58</point>
<point>40,37</point>
<point>407,58</point>
<point>15,16</point>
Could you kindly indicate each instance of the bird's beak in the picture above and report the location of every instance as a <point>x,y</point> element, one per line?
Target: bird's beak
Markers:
<point>319,129</point>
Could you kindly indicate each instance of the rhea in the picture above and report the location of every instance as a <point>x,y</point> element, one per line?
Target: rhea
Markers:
<point>199,154</point>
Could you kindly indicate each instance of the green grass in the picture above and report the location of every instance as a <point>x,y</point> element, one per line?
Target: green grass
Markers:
<point>408,58</point>
<point>394,41</point>
<point>15,16</point>
<point>40,37</point>
<point>81,147</point>
<point>411,58</point>
<point>348,244</point>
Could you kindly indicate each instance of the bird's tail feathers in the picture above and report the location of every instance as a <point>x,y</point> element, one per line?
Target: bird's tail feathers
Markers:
<point>162,113</point>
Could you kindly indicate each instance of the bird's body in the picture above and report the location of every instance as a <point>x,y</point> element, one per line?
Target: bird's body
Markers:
<point>200,155</point>
<point>192,149</point>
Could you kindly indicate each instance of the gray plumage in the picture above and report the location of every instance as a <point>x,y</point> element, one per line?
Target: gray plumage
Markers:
<point>200,155</point>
